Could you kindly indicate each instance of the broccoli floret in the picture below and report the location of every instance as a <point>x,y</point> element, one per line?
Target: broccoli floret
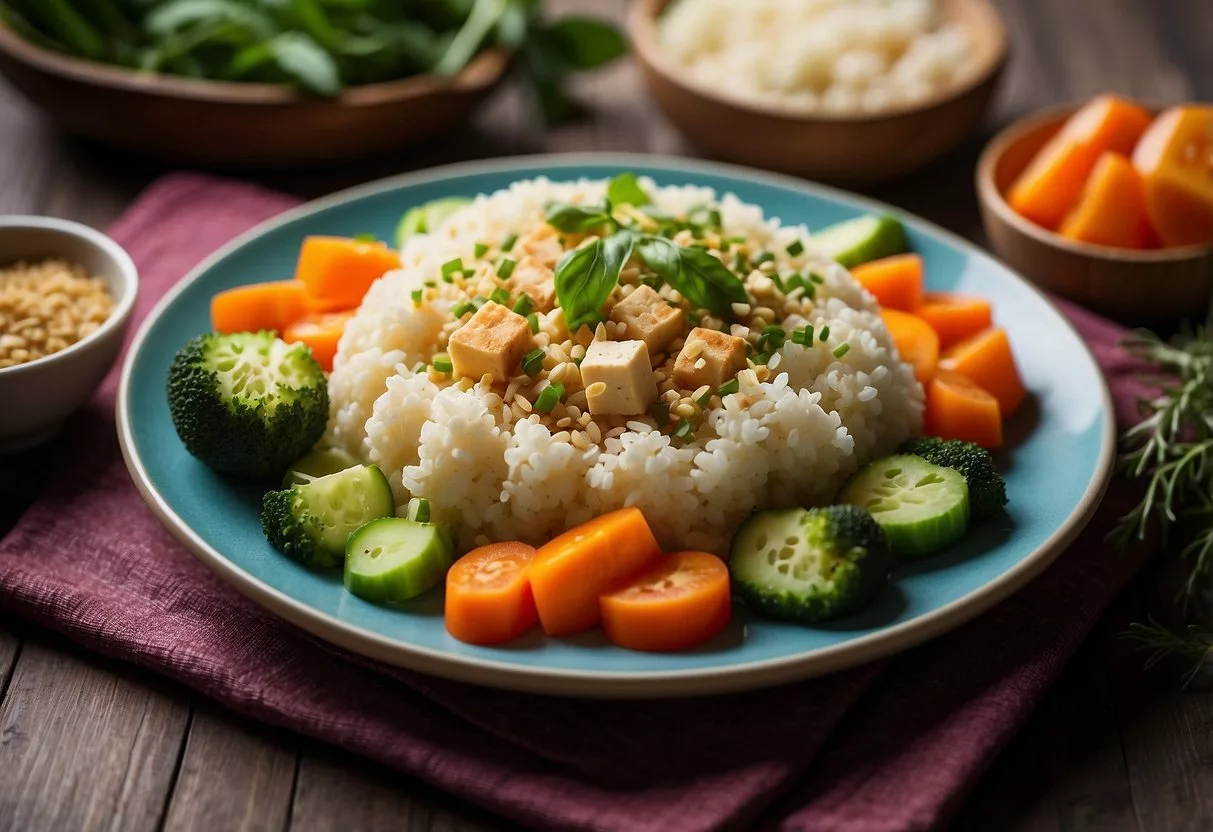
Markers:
<point>987,489</point>
<point>311,523</point>
<point>247,403</point>
<point>810,565</point>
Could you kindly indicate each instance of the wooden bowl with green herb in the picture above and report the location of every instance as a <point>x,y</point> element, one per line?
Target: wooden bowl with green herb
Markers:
<point>240,84</point>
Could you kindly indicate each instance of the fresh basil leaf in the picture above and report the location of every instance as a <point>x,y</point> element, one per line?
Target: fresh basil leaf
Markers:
<point>625,190</point>
<point>586,43</point>
<point>586,276</point>
<point>305,62</point>
<point>173,17</point>
<point>70,27</point>
<point>463,47</point>
<point>578,218</point>
<point>696,274</point>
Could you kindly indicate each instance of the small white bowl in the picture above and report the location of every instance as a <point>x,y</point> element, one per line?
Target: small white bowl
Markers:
<point>36,397</point>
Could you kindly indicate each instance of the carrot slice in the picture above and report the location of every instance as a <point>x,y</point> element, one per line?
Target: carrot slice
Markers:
<point>955,317</point>
<point>916,341</point>
<point>1112,211</point>
<point>1051,185</point>
<point>959,409</point>
<point>571,572</point>
<point>322,332</point>
<point>679,603</point>
<point>896,281</point>
<point>1175,157</point>
<point>986,360</point>
<point>338,271</point>
<point>273,306</point>
<point>488,594</point>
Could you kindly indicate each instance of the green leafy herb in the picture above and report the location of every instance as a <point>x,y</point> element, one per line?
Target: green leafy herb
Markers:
<point>1194,645</point>
<point>586,276</point>
<point>696,274</point>
<point>548,399</point>
<point>624,189</point>
<point>579,218</point>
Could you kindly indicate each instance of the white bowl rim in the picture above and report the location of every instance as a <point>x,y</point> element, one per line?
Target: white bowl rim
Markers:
<point>124,305</point>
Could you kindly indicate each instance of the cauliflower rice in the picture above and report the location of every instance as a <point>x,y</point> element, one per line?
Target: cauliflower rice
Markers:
<point>495,468</point>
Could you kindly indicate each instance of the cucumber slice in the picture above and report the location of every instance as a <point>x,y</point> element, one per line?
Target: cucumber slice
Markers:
<point>391,560</point>
<point>923,508</point>
<point>316,464</point>
<point>862,239</point>
<point>427,217</point>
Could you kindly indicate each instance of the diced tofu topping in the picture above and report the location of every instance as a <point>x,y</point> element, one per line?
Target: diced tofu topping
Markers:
<point>543,244</point>
<point>649,318</point>
<point>618,378</point>
<point>709,357</point>
<point>537,281</point>
<point>493,341</point>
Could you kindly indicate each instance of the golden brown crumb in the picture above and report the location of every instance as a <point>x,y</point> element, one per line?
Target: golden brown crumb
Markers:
<point>46,307</point>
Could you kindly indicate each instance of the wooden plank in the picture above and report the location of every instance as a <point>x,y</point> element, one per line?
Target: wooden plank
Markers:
<point>10,648</point>
<point>235,775</point>
<point>85,744</point>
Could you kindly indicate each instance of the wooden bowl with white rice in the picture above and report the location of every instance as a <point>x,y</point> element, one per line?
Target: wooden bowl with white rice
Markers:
<point>853,92</point>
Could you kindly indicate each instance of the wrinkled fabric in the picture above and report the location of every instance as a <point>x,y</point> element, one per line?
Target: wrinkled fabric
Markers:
<point>891,746</point>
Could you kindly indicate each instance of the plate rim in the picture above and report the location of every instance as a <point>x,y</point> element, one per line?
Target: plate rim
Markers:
<point>594,683</point>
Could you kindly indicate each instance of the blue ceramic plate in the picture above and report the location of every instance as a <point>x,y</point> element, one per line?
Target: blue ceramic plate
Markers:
<point>1062,447</point>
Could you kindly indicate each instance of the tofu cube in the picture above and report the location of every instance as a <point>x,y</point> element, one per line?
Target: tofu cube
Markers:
<point>649,318</point>
<point>618,378</point>
<point>493,341</point>
<point>543,244</point>
<point>537,281</point>
<point>709,357</point>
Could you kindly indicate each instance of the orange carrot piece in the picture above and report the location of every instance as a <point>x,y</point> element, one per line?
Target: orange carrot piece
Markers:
<point>322,332</point>
<point>488,594</point>
<point>955,317</point>
<point>1112,210</point>
<point>896,282</point>
<point>272,306</point>
<point>1051,185</point>
<point>916,341</point>
<point>1175,158</point>
<point>338,271</point>
<point>959,409</point>
<point>679,603</point>
<point>570,573</point>
<point>986,360</point>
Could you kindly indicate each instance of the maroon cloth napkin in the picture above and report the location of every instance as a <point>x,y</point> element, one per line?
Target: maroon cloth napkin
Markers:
<point>892,746</point>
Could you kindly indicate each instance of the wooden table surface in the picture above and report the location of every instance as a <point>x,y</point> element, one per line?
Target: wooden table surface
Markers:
<point>88,743</point>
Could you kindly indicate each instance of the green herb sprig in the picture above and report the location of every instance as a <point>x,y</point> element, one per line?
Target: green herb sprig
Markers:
<point>1193,646</point>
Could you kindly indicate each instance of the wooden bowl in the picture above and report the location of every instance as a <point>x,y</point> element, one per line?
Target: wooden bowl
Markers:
<point>240,125</point>
<point>1139,288</point>
<point>863,149</point>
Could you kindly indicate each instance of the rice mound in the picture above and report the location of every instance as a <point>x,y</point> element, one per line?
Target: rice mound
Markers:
<point>497,472</point>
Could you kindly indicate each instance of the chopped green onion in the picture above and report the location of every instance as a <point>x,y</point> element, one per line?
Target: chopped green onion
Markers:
<point>728,388</point>
<point>462,308</point>
<point>450,267</point>
<point>505,268</point>
<point>816,278</point>
<point>704,400</point>
<point>523,305</point>
<point>773,337</point>
<point>508,242</point>
<point>683,430</point>
<point>430,283</point>
<point>479,301</point>
<point>737,241</point>
<point>825,334</point>
<point>420,368</point>
<point>417,297</point>
<point>532,362</point>
<point>694,318</point>
<point>549,397</point>
<point>764,257</point>
<point>442,362</point>
<point>795,248</point>
<point>365,238</point>
<point>419,510</point>
<point>533,320</point>
<point>761,359</point>
<point>803,336</point>
<point>739,262</point>
<point>500,295</point>
<point>660,411</point>
<point>480,249</point>
<point>842,349</point>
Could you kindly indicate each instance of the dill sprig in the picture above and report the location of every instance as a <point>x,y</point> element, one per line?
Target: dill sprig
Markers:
<point>1194,645</point>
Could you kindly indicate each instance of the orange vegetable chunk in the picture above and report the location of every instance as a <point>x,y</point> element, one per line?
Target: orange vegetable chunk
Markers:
<point>682,601</point>
<point>488,594</point>
<point>896,281</point>
<point>1112,211</point>
<point>273,306</point>
<point>1175,159</point>
<point>338,271</point>
<point>916,341</point>
<point>1051,185</point>
<point>959,409</point>
<point>987,361</point>
<point>321,331</point>
<point>569,573</point>
<point>955,317</point>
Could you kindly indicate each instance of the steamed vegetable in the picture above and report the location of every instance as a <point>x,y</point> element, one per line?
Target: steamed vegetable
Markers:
<point>954,317</point>
<point>338,271</point>
<point>425,218</point>
<point>916,342</point>
<point>270,306</point>
<point>896,282</point>
<point>810,565</point>
<point>1175,159</point>
<point>321,332</point>
<point>987,490</point>
<point>957,408</point>
<point>1112,210</point>
<point>247,403</point>
<point>861,240</point>
<point>311,523</point>
<point>986,360</point>
<point>317,463</point>
<point>391,559</point>
<point>488,594</point>
<point>922,508</point>
<point>680,602</point>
